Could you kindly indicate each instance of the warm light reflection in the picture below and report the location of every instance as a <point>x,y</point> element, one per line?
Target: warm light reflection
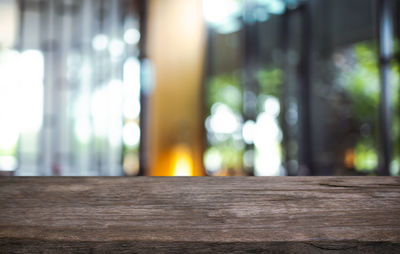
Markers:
<point>349,158</point>
<point>182,161</point>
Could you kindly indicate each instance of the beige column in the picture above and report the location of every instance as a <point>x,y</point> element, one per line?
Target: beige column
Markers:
<point>176,45</point>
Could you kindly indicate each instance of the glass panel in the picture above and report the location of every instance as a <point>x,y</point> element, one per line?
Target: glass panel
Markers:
<point>308,77</point>
<point>70,88</point>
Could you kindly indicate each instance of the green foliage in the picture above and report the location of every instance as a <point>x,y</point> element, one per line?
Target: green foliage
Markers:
<point>224,89</point>
<point>361,82</point>
<point>270,80</point>
<point>366,157</point>
<point>9,151</point>
<point>231,158</point>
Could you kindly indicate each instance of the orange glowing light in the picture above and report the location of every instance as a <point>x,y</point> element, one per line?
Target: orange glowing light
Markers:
<point>349,158</point>
<point>182,162</point>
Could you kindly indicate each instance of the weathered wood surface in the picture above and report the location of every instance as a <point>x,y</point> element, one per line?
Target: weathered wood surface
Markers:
<point>200,215</point>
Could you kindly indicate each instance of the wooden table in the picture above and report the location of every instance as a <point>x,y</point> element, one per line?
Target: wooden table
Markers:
<point>200,215</point>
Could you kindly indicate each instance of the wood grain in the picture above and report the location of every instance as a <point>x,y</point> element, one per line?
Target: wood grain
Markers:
<point>200,215</point>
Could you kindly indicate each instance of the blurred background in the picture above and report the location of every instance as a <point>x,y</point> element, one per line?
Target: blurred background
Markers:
<point>199,87</point>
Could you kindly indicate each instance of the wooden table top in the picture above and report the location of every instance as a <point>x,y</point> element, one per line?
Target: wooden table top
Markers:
<point>199,214</point>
